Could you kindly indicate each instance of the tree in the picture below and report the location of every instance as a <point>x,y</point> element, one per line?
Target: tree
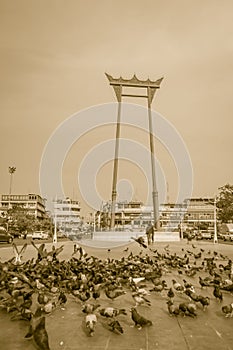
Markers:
<point>225,203</point>
<point>19,220</point>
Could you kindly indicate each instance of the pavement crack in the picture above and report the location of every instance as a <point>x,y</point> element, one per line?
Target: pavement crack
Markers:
<point>185,339</point>
<point>107,343</point>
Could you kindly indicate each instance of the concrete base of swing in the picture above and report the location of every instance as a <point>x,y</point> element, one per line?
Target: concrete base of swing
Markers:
<point>126,236</point>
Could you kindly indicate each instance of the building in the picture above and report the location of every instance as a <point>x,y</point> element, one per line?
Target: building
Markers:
<point>194,213</point>
<point>33,203</point>
<point>128,215</point>
<point>66,215</point>
<point>200,214</point>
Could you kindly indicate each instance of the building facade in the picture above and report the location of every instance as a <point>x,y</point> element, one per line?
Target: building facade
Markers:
<point>193,213</point>
<point>66,215</point>
<point>33,203</point>
<point>200,214</point>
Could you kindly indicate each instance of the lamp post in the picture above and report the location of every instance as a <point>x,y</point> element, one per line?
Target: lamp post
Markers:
<point>55,222</point>
<point>214,202</point>
<point>215,222</point>
<point>55,229</point>
<point>94,222</point>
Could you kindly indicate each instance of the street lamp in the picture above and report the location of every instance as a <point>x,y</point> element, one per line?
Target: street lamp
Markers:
<point>215,222</point>
<point>55,229</point>
<point>55,223</point>
<point>214,202</point>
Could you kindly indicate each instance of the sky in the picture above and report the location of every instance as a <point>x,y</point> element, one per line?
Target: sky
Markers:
<point>54,55</point>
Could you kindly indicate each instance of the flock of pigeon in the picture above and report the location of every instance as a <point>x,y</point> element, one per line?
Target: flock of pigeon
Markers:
<point>32,290</point>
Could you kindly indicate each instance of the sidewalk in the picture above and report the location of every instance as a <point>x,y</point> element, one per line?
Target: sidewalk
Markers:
<point>209,330</point>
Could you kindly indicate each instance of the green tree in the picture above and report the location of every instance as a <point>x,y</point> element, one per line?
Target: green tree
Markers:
<point>225,203</point>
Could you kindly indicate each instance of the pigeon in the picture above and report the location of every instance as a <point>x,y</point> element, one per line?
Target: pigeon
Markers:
<point>136,280</point>
<point>228,288</point>
<point>192,309</point>
<point>192,295</point>
<point>142,291</point>
<point>42,298</point>
<point>18,253</point>
<point>203,282</point>
<point>82,295</point>
<point>188,285</point>
<point>140,299</point>
<point>112,312</point>
<point>113,294</point>
<point>228,310</point>
<point>159,287</point>
<point>205,301</point>
<point>91,321</point>
<point>115,326</point>
<point>140,241</point>
<point>172,309</point>
<point>37,330</point>
<point>89,308</point>
<point>41,251</point>
<point>177,286</point>
<point>139,320</point>
<point>40,335</point>
<point>39,285</point>
<point>62,298</point>
<point>166,248</point>
<point>188,309</point>
<point>49,307</point>
<point>170,293</point>
<point>55,251</point>
<point>96,292</point>
<point>217,293</point>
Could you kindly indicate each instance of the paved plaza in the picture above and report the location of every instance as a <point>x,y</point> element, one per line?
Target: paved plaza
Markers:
<point>65,326</point>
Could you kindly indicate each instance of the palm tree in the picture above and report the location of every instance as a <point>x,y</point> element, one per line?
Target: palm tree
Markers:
<point>11,172</point>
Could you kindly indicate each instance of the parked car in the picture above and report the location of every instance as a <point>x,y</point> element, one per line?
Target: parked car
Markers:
<point>40,235</point>
<point>226,237</point>
<point>204,235</point>
<point>61,234</point>
<point>15,234</point>
<point>5,237</point>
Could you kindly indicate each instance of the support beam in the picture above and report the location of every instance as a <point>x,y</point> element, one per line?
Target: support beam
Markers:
<point>115,167</point>
<point>152,152</point>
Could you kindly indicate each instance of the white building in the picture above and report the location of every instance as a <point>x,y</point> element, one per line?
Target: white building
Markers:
<point>66,215</point>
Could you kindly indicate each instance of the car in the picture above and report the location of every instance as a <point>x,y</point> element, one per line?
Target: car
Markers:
<point>5,237</point>
<point>204,235</point>
<point>227,237</point>
<point>61,234</point>
<point>15,234</point>
<point>40,235</point>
